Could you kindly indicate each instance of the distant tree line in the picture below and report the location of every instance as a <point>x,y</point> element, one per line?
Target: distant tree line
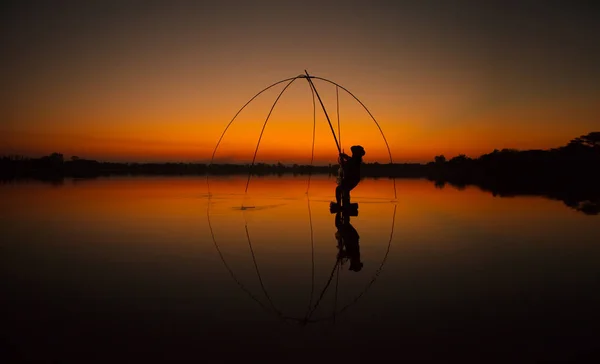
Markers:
<point>579,159</point>
<point>54,166</point>
<point>570,173</point>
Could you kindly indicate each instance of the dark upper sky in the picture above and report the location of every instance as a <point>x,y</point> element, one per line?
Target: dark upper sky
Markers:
<point>424,65</point>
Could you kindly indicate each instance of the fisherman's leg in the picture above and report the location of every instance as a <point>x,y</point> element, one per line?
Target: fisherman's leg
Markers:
<point>338,194</point>
<point>348,185</point>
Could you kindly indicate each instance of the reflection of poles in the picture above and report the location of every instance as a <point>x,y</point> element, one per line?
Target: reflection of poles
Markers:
<point>318,302</point>
<point>378,269</point>
<point>212,234</point>
<point>312,257</point>
<point>337,280</point>
<point>258,273</point>
<point>336,268</point>
<point>368,286</point>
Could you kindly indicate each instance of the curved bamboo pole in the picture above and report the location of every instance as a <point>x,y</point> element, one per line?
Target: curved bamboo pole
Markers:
<point>313,88</point>
<point>263,130</point>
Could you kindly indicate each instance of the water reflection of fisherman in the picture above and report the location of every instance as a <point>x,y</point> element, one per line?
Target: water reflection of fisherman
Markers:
<point>347,237</point>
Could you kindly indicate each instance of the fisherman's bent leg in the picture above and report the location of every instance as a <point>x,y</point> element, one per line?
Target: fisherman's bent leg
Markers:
<point>338,194</point>
<point>346,187</point>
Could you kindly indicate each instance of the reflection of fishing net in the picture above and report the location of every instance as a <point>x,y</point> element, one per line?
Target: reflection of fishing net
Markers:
<point>273,269</point>
<point>329,276</point>
<point>252,168</point>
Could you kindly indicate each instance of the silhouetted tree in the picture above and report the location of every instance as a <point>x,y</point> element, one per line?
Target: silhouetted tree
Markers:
<point>461,158</point>
<point>591,140</point>
<point>56,158</point>
<point>440,159</point>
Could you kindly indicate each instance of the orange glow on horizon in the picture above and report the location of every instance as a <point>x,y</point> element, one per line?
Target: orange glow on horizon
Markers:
<point>189,135</point>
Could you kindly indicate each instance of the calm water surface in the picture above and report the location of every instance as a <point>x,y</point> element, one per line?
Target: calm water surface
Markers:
<point>159,269</point>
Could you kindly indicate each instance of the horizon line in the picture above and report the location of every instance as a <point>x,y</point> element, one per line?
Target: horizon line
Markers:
<point>273,161</point>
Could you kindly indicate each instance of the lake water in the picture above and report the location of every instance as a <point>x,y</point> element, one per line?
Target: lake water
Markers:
<point>159,269</point>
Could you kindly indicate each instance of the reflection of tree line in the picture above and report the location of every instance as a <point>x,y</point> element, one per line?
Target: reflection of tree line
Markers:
<point>570,173</point>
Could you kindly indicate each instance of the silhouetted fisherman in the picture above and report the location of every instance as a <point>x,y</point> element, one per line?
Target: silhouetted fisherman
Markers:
<point>350,175</point>
<point>347,238</point>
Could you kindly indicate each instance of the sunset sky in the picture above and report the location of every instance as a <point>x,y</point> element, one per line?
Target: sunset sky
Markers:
<point>159,81</point>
